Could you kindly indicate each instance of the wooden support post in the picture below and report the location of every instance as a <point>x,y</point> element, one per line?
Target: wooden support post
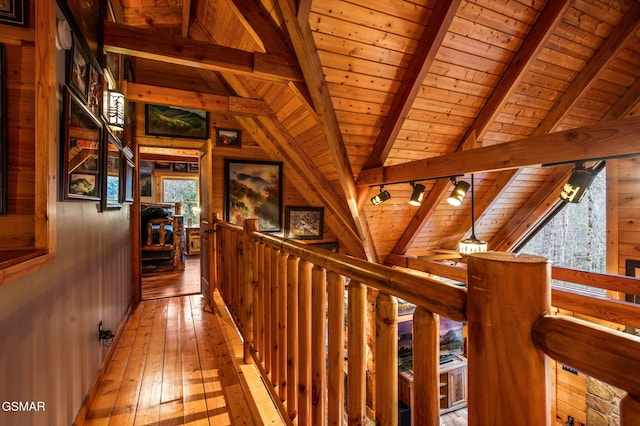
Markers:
<point>292,336</point>
<point>249,287</point>
<point>258,301</point>
<point>275,315</point>
<point>630,410</point>
<point>357,354</point>
<point>425,404</point>
<point>304,343</point>
<point>335,352</point>
<point>387,360</point>
<point>318,351</point>
<point>282,325</point>
<point>507,294</point>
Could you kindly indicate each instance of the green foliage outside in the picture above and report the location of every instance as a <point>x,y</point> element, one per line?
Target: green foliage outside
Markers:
<point>185,191</point>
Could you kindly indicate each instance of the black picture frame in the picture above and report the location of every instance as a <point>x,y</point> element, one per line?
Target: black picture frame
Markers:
<point>85,17</point>
<point>14,12</point>
<point>146,178</point>
<point>113,172</point>
<point>303,223</point>
<point>77,70</point>
<point>176,122</point>
<point>229,138</point>
<point>180,167</point>
<point>3,131</point>
<point>194,167</point>
<point>253,189</point>
<point>82,138</point>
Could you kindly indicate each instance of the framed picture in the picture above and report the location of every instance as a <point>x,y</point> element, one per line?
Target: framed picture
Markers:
<point>81,151</point>
<point>228,137</point>
<point>163,165</point>
<point>194,167</point>
<point>85,19</point>
<point>146,175</point>
<point>94,91</point>
<point>331,246</point>
<point>13,12</point>
<point>78,70</point>
<point>180,167</point>
<point>128,177</point>
<point>253,190</point>
<point>303,223</point>
<point>3,132</point>
<point>176,122</point>
<point>112,173</point>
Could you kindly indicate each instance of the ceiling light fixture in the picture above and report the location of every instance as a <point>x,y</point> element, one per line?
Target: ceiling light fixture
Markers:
<point>472,244</point>
<point>380,197</point>
<point>417,195</point>
<point>576,187</point>
<point>458,193</point>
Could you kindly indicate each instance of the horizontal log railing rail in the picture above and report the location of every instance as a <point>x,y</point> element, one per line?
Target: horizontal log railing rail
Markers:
<point>288,301</point>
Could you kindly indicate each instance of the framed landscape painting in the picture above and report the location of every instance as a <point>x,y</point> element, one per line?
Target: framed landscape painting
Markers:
<point>303,223</point>
<point>253,190</point>
<point>82,151</point>
<point>228,137</point>
<point>176,122</point>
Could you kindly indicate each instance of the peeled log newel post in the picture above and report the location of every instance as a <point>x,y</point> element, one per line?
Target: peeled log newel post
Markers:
<point>508,375</point>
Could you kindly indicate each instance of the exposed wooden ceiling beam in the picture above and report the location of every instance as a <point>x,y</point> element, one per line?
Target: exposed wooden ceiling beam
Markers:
<point>548,20</point>
<point>186,17</point>
<point>153,17</point>
<point>146,93</point>
<point>425,54</point>
<point>150,44</point>
<point>311,66</point>
<point>606,140</point>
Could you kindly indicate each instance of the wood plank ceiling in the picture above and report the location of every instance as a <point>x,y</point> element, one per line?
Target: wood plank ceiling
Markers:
<point>355,91</point>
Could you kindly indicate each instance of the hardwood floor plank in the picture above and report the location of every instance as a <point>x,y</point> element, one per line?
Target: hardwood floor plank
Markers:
<point>148,409</point>
<point>171,398</point>
<point>157,285</point>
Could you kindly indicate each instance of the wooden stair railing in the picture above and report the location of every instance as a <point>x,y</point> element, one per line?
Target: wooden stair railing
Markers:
<point>284,296</point>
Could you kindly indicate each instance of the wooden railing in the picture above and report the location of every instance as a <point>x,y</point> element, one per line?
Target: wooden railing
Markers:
<point>288,303</point>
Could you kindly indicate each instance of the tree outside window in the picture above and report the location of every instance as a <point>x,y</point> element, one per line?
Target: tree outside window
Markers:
<point>182,190</point>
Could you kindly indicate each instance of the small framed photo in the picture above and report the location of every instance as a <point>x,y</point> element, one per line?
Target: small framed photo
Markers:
<point>194,167</point>
<point>13,12</point>
<point>229,138</point>
<point>163,165</point>
<point>81,151</point>
<point>180,167</point>
<point>78,69</point>
<point>304,223</point>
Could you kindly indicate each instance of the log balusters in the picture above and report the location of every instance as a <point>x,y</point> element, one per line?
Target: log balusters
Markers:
<point>318,353</point>
<point>356,354</point>
<point>335,350</point>
<point>386,360</point>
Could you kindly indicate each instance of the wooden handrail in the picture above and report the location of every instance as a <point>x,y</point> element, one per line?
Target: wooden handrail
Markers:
<point>509,297</point>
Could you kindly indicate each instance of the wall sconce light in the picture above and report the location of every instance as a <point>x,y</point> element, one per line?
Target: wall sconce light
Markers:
<point>105,335</point>
<point>458,193</point>
<point>472,244</point>
<point>115,110</point>
<point>380,197</point>
<point>578,184</point>
<point>417,195</point>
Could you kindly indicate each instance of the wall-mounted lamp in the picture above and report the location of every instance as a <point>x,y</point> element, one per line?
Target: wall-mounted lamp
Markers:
<point>472,244</point>
<point>458,193</point>
<point>578,184</point>
<point>115,110</point>
<point>380,197</point>
<point>417,195</point>
<point>106,336</point>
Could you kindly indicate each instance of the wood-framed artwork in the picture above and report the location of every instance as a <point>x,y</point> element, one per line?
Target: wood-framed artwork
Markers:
<point>3,132</point>
<point>230,138</point>
<point>113,170</point>
<point>81,151</point>
<point>180,167</point>
<point>303,223</point>
<point>176,122</point>
<point>194,167</point>
<point>146,178</point>
<point>94,91</point>
<point>78,70</point>
<point>162,165</point>
<point>14,12</point>
<point>253,190</point>
<point>85,18</point>
<point>128,194</point>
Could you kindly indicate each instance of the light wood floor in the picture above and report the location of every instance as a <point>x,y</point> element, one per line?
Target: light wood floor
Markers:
<point>177,363</point>
<point>157,285</point>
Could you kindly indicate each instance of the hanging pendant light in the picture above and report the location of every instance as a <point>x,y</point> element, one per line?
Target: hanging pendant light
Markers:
<point>472,244</point>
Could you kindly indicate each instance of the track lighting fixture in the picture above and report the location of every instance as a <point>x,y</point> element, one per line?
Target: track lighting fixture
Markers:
<point>578,184</point>
<point>458,193</point>
<point>417,195</point>
<point>380,197</point>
